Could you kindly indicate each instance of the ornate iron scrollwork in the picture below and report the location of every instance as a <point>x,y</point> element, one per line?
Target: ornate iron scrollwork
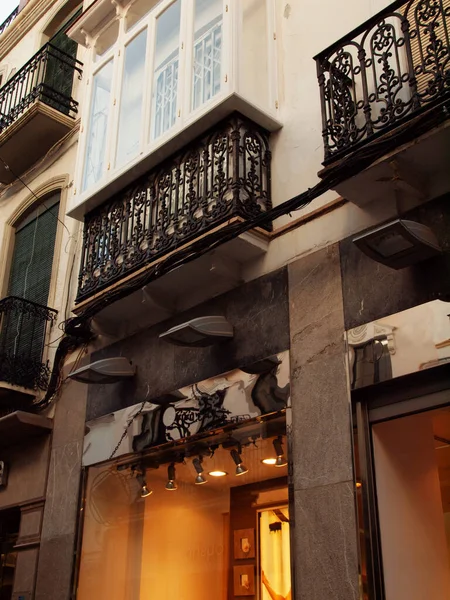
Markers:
<point>22,337</point>
<point>383,72</point>
<point>33,82</point>
<point>223,174</point>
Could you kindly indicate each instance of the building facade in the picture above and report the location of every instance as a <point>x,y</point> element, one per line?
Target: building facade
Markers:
<point>226,275</point>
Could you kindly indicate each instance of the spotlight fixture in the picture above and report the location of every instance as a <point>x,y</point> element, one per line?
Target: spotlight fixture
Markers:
<point>107,370</point>
<point>145,491</point>
<point>240,468</point>
<point>171,484</point>
<point>398,244</point>
<point>278,446</point>
<point>199,332</point>
<point>197,462</point>
<point>217,473</point>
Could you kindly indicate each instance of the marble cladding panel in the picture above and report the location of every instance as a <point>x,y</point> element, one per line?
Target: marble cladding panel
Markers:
<point>30,522</point>
<point>55,568</point>
<point>372,291</point>
<point>258,311</point>
<point>25,573</point>
<point>325,543</point>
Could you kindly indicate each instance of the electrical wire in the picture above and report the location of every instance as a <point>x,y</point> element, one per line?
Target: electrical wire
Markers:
<point>77,328</point>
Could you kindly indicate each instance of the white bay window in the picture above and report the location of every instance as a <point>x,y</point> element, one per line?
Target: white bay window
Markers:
<point>161,69</point>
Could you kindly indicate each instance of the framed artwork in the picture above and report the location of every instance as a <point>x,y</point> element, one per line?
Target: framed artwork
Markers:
<point>244,543</point>
<point>244,580</point>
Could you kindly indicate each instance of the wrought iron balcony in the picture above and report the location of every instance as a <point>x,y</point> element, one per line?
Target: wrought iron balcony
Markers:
<point>391,68</point>
<point>22,338</point>
<point>7,22</point>
<point>223,174</point>
<point>47,77</point>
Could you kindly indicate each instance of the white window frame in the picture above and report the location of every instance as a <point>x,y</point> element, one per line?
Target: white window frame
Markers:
<point>186,115</point>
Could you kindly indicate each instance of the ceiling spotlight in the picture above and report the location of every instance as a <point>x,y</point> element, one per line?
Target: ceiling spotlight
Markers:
<point>217,473</point>
<point>278,445</point>
<point>240,468</point>
<point>269,461</point>
<point>197,462</point>
<point>171,484</point>
<point>145,491</point>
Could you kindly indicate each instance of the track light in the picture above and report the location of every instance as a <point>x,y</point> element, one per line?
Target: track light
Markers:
<point>145,491</point>
<point>197,462</point>
<point>217,473</point>
<point>171,484</point>
<point>240,468</point>
<point>278,446</point>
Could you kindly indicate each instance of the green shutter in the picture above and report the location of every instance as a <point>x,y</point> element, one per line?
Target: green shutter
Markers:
<point>32,262</point>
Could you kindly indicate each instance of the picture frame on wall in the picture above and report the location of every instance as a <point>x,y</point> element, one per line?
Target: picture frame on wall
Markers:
<point>244,580</point>
<point>244,544</point>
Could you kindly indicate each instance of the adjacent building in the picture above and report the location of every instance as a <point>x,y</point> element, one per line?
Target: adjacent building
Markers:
<point>224,345</point>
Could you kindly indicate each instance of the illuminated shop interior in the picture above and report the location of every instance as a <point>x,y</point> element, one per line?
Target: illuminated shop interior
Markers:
<point>205,517</point>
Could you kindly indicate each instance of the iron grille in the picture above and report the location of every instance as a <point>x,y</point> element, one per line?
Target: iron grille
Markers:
<point>7,22</point>
<point>385,72</point>
<point>223,174</point>
<point>22,338</point>
<point>47,77</point>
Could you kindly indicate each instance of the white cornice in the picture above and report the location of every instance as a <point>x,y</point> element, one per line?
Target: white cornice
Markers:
<point>25,20</point>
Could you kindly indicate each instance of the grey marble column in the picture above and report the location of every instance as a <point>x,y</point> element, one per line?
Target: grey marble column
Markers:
<point>325,523</point>
<point>54,576</point>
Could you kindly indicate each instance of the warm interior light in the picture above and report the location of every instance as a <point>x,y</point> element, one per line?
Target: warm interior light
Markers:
<point>217,473</point>
<point>145,491</point>
<point>269,461</point>
<point>171,484</point>
<point>358,484</point>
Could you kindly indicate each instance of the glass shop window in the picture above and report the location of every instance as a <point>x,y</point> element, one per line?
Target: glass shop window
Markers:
<point>211,521</point>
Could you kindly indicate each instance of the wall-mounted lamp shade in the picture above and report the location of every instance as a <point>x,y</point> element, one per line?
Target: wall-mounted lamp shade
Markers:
<point>204,331</point>
<point>108,370</point>
<point>398,244</point>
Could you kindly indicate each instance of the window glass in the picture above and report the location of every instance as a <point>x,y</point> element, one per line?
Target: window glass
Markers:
<point>130,117</point>
<point>98,124</point>
<point>213,528</point>
<point>207,50</point>
<point>165,85</point>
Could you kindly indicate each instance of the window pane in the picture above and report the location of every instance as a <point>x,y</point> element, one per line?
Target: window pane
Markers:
<point>207,50</point>
<point>98,122</point>
<point>131,104</point>
<point>224,539</point>
<point>165,83</point>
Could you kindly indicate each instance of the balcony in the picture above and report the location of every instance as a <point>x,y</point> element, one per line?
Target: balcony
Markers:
<point>7,22</point>
<point>220,178</point>
<point>23,333</point>
<point>36,109</point>
<point>390,74</point>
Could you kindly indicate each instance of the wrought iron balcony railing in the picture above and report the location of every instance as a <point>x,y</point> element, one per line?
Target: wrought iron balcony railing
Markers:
<point>224,174</point>
<point>7,22</point>
<point>389,69</point>
<point>22,338</point>
<point>47,77</point>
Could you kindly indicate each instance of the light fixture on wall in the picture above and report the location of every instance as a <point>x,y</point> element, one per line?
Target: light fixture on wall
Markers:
<point>398,244</point>
<point>108,370</point>
<point>145,490</point>
<point>200,332</point>
<point>241,469</point>
<point>197,462</point>
<point>171,484</point>
<point>278,446</point>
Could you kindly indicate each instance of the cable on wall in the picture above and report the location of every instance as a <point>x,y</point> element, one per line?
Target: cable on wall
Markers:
<point>77,328</point>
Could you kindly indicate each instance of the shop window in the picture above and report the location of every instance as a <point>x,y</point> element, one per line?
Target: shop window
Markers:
<point>214,522</point>
<point>9,532</point>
